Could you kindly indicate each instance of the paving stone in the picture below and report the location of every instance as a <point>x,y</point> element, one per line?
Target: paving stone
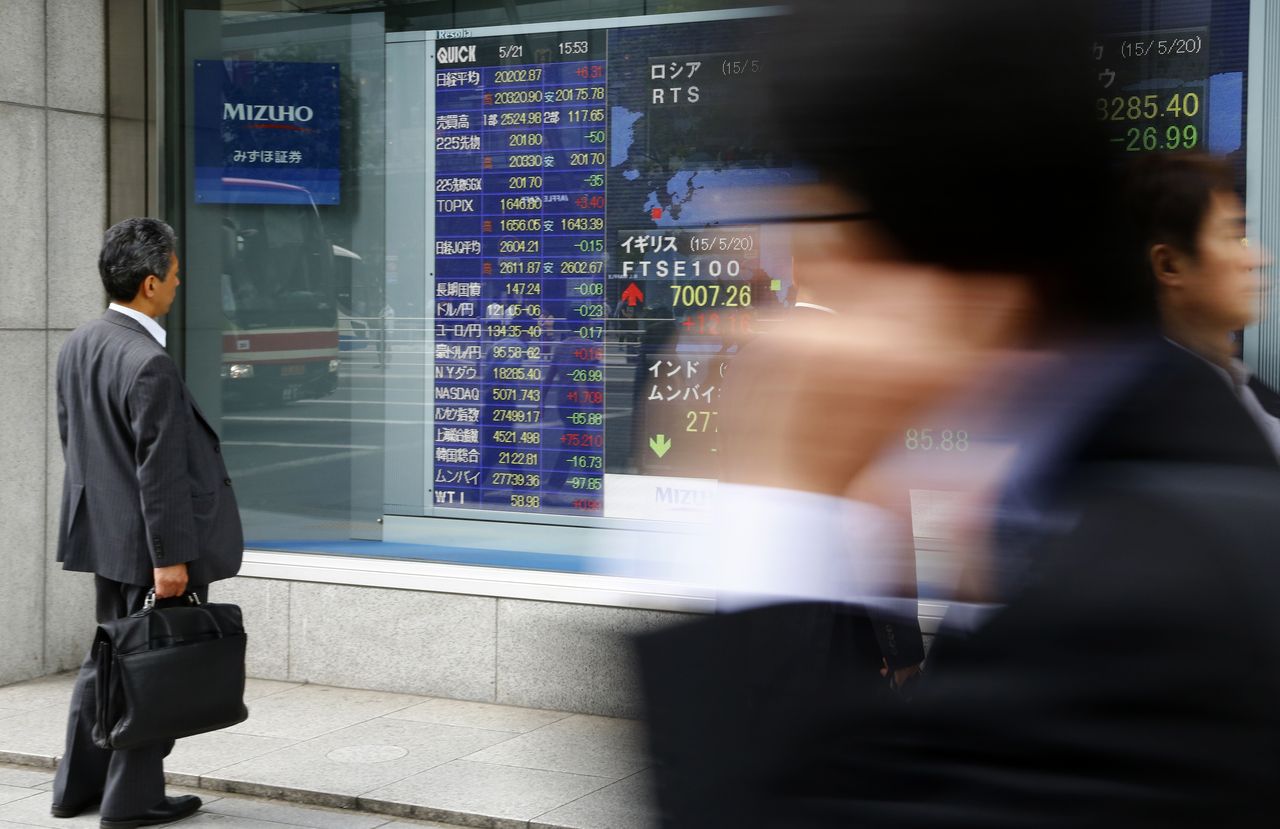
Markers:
<point>405,758</point>
<point>25,777</point>
<point>44,692</point>
<point>312,710</point>
<point>34,811</point>
<point>42,732</point>
<point>480,715</point>
<point>8,794</point>
<point>205,753</point>
<point>208,820</point>
<point>580,744</point>
<point>293,815</point>
<point>358,759</point>
<point>284,794</point>
<point>627,804</point>
<point>205,796</point>
<point>480,794</point>
<point>258,688</point>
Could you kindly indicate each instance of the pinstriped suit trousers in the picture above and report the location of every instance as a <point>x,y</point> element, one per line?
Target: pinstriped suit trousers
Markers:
<point>129,782</point>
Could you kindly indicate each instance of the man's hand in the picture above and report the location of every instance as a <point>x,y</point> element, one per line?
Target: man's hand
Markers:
<point>171,581</point>
<point>902,676</point>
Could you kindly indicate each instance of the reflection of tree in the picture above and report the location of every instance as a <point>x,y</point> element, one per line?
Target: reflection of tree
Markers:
<point>357,221</point>
<point>361,143</point>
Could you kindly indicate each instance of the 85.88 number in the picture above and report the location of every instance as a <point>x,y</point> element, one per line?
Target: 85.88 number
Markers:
<point>930,440</point>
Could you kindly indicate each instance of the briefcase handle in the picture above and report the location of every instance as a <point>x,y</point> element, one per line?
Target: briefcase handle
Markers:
<point>149,603</point>
<point>150,610</point>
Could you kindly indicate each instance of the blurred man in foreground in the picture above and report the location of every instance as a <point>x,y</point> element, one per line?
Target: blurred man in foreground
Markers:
<point>1118,540</point>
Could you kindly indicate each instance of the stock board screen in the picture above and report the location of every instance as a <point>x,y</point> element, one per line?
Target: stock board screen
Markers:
<point>1171,76</point>
<point>595,266</point>
<point>588,292</point>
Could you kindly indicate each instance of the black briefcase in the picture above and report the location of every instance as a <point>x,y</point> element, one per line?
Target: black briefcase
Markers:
<point>171,670</point>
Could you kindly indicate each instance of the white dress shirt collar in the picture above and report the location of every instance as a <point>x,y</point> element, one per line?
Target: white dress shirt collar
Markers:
<point>153,327</point>
<point>1237,375</point>
<point>813,306</point>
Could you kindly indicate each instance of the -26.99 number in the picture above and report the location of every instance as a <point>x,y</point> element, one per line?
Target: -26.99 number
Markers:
<point>1153,138</point>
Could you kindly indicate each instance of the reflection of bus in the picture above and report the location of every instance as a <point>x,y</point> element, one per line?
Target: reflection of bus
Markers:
<point>280,338</point>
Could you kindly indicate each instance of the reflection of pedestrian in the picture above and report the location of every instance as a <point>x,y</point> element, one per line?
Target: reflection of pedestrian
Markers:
<point>570,353</point>
<point>658,336</point>
<point>386,322</point>
<point>509,375</point>
<point>146,502</point>
<point>1206,271</point>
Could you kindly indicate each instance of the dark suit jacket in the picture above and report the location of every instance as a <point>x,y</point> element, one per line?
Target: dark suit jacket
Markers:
<point>145,483</point>
<point>1266,396</point>
<point>1132,684</point>
<point>1131,680</point>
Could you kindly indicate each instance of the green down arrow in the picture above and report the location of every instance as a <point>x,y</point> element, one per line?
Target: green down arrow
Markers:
<point>660,445</point>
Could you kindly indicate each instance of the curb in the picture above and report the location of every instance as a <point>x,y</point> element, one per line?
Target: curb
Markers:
<point>309,797</point>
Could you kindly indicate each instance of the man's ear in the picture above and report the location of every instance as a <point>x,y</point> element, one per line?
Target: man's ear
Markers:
<point>142,290</point>
<point>1168,264</point>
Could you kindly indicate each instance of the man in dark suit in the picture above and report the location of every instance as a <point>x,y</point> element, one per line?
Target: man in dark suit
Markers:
<point>1206,272</point>
<point>146,501</point>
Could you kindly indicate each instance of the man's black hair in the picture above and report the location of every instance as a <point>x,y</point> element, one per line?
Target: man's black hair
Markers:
<point>132,250</point>
<point>968,130</point>
<point>1167,198</point>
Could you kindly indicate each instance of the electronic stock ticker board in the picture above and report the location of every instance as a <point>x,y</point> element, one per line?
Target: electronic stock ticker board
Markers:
<point>591,283</point>
<point>588,290</point>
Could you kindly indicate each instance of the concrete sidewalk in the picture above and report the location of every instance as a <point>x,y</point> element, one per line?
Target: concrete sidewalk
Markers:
<point>374,754</point>
<point>25,796</point>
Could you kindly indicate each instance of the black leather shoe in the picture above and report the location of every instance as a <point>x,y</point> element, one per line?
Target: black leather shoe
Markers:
<point>58,810</point>
<point>166,811</point>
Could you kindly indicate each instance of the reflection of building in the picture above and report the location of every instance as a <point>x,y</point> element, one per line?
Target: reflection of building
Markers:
<point>363,572</point>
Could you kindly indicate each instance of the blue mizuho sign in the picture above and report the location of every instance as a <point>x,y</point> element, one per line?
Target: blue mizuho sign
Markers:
<point>267,132</point>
